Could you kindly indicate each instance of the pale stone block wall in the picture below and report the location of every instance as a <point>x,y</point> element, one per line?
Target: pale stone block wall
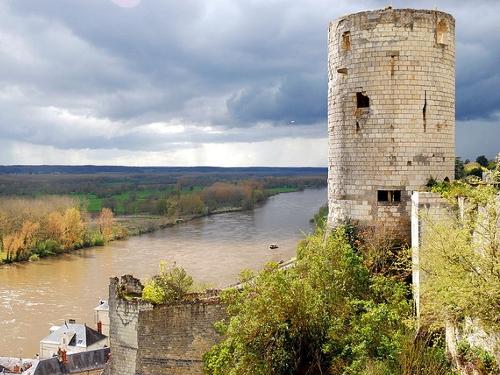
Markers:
<point>403,61</point>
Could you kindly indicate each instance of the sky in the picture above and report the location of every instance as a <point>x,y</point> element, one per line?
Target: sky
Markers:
<point>202,82</point>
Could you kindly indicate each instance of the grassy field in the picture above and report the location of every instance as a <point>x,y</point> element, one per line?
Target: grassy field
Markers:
<point>279,190</point>
<point>94,203</point>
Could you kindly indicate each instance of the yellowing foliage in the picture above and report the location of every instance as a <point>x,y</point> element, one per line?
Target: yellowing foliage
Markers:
<point>40,226</point>
<point>74,228</point>
<point>55,225</point>
<point>19,243</point>
<point>106,224</point>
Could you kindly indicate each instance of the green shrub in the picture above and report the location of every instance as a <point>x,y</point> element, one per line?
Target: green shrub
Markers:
<point>94,238</point>
<point>423,354</point>
<point>47,248</point>
<point>325,315</point>
<point>321,217</point>
<point>480,359</point>
<point>154,293</point>
<point>98,239</point>
<point>170,285</point>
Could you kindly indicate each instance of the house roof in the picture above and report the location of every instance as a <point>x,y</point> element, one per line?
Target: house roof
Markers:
<point>80,335</point>
<point>104,306</point>
<point>77,363</point>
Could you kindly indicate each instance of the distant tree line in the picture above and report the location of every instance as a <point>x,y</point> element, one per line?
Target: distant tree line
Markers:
<point>156,194</point>
<point>473,168</point>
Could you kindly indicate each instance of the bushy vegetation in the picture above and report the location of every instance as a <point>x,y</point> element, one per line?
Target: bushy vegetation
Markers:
<point>171,284</point>
<point>473,168</point>
<point>320,218</point>
<point>476,359</point>
<point>463,257</point>
<point>330,314</point>
<point>39,227</point>
<point>462,265</point>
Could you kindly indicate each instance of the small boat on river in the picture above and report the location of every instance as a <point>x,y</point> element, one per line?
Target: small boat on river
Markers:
<point>273,246</point>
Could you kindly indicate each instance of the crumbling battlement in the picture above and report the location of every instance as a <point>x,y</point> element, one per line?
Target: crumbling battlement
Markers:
<point>163,339</point>
<point>391,112</point>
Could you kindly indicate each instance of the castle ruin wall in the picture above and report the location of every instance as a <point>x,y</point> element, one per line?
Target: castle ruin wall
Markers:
<point>164,339</point>
<point>391,112</point>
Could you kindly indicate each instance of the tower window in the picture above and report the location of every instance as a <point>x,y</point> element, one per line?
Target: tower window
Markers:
<point>346,41</point>
<point>389,196</point>
<point>441,29</point>
<point>362,100</point>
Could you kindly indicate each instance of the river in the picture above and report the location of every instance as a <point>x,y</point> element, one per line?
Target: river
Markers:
<point>213,249</point>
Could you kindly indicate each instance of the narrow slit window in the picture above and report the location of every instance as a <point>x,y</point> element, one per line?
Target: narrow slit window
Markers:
<point>389,196</point>
<point>424,111</point>
<point>346,41</point>
<point>441,30</point>
<point>362,100</point>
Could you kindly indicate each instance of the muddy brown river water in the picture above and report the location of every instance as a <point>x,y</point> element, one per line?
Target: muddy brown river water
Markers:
<point>34,296</point>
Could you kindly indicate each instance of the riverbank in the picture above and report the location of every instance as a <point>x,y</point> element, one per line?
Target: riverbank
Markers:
<point>212,249</point>
<point>136,225</point>
<point>125,226</point>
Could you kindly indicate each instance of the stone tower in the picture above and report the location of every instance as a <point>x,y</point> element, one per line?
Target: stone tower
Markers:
<point>391,112</point>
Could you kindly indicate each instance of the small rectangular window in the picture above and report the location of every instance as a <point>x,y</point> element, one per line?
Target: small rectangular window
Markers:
<point>362,100</point>
<point>389,196</point>
<point>383,196</point>
<point>396,196</point>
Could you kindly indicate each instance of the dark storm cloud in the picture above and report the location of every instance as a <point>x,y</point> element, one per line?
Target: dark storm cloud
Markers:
<point>300,99</point>
<point>89,74</point>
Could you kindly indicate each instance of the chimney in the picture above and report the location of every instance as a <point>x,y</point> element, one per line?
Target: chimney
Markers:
<point>71,321</point>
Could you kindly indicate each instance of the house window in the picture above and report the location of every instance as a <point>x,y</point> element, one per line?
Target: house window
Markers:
<point>389,196</point>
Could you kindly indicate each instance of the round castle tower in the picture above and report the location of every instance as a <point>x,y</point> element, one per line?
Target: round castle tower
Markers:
<point>391,112</point>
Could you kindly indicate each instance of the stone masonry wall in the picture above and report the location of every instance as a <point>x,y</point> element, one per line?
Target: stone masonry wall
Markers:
<point>391,111</point>
<point>173,339</point>
<point>124,323</point>
<point>165,339</point>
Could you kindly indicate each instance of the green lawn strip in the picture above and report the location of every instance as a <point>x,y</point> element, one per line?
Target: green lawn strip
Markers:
<point>279,190</point>
<point>94,203</point>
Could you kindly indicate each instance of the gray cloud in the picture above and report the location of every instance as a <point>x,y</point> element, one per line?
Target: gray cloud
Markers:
<point>92,75</point>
